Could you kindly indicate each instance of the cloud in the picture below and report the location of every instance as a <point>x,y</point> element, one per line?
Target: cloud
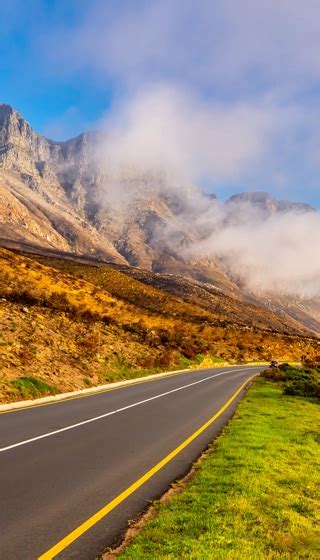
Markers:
<point>213,92</point>
<point>248,45</point>
<point>165,129</point>
<point>266,250</point>
<point>248,60</point>
<point>276,253</point>
<point>164,141</point>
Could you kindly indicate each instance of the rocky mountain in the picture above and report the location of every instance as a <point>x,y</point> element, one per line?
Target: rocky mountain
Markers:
<point>267,203</point>
<point>61,196</point>
<point>57,195</point>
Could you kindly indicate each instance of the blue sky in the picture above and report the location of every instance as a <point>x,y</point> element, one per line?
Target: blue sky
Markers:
<point>243,77</point>
<point>50,100</point>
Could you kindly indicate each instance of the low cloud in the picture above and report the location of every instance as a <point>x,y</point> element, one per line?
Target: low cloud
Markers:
<point>165,129</point>
<point>275,252</point>
<point>164,142</point>
<point>216,95</point>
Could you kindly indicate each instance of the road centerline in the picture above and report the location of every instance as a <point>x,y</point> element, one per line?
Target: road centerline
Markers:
<point>116,411</point>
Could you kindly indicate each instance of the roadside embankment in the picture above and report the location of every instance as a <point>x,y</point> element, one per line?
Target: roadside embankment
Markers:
<point>66,326</point>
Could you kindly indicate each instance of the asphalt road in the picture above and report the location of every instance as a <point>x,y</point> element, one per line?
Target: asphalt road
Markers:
<point>99,459</point>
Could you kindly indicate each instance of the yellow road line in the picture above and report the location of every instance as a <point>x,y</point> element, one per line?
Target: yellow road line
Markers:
<point>84,527</point>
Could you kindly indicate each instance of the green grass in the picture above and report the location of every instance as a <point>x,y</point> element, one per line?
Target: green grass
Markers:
<point>198,359</point>
<point>32,387</point>
<point>188,362</point>
<point>217,360</point>
<point>255,494</point>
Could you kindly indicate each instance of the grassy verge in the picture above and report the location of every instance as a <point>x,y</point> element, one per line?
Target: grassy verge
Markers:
<point>255,494</point>
<point>29,387</point>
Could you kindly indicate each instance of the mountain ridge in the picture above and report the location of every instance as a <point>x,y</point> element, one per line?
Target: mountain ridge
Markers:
<point>58,196</point>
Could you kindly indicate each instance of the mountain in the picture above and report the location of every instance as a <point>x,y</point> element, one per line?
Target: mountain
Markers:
<point>35,198</point>
<point>61,197</point>
<point>56,195</point>
<point>267,203</point>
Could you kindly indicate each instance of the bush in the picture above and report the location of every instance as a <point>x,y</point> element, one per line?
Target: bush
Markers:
<point>303,382</point>
<point>307,384</point>
<point>23,297</point>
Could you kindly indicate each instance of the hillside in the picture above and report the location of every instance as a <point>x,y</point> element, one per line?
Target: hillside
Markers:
<point>73,324</point>
<point>61,197</point>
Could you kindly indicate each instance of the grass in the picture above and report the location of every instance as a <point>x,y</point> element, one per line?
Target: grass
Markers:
<point>32,387</point>
<point>254,495</point>
<point>188,362</point>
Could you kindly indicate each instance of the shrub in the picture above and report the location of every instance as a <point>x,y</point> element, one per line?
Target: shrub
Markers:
<point>90,343</point>
<point>87,381</point>
<point>165,359</point>
<point>23,297</point>
<point>58,300</point>
<point>303,382</point>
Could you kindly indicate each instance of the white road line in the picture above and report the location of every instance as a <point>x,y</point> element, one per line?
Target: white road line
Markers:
<point>72,426</point>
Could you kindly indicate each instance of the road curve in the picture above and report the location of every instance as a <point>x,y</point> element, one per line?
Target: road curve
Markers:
<point>73,473</point>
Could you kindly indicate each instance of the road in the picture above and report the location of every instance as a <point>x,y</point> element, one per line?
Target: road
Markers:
<point>73,473</point>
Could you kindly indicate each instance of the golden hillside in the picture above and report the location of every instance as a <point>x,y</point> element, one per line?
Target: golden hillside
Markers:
<point>73,325</point>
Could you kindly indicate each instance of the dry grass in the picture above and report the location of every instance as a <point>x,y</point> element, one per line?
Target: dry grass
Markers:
<point>73,325</point>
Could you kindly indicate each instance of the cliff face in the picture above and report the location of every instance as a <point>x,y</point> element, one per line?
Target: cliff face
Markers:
<point>59,195</point>
<point>37,202</point>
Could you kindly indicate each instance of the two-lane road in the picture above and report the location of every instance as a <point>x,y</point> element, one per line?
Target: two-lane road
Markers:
<point>73,473</point>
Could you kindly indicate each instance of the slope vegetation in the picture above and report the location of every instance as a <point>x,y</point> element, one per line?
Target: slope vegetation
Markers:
<point>72,325</point>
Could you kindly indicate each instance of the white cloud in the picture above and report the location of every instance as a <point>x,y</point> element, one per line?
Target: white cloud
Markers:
<point>278,253</point>
<point>246,44</point>
<point>249,68</point>
<point>165,129</point>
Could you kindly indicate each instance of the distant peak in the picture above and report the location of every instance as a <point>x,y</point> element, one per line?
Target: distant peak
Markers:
<point>254,197</point>
<point>6,108</point>
<point>7,111</point>
<point>267,202</point>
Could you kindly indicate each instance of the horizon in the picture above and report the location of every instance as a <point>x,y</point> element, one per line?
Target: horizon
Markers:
<point>242,83</point>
